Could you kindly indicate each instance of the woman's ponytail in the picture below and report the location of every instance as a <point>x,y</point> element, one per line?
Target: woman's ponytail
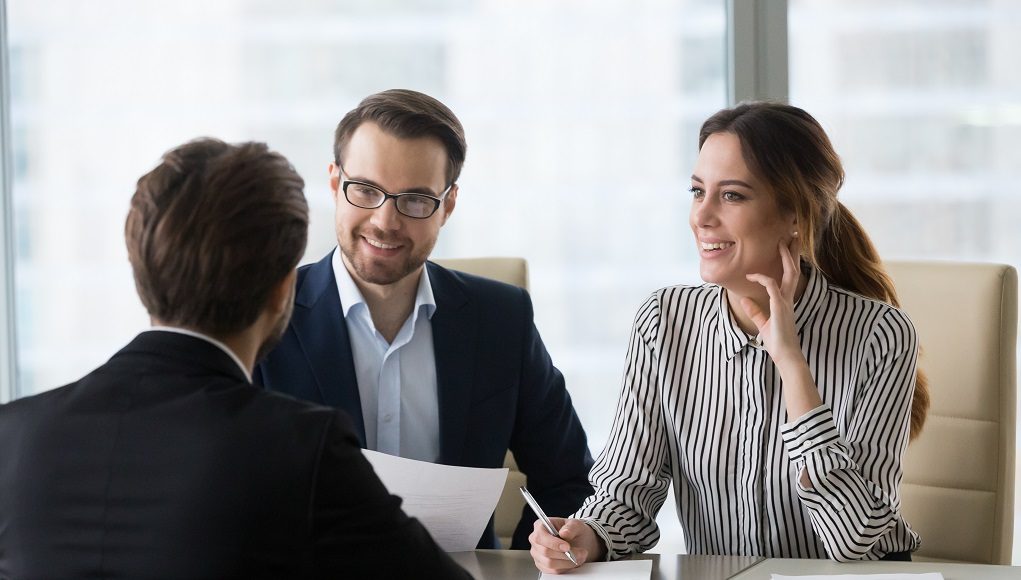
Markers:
<point>846,256</point>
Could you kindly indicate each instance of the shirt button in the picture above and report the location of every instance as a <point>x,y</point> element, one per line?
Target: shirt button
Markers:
<point>388,417</point>
<point>809,442</point>
<point>803,429</point>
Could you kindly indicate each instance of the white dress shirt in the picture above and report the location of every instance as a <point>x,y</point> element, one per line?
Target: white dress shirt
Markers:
<point>396,381</point>
<point>702,407</point>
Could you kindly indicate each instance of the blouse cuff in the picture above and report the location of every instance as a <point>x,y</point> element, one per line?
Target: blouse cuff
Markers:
<point>811,432</point>
<point>601,533</point>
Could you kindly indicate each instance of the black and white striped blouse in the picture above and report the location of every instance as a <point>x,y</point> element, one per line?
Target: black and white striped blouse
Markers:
<point>701,406</point>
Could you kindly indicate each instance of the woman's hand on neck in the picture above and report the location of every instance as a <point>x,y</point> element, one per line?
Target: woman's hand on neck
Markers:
<point>765,305</point>
<point>776,329</point>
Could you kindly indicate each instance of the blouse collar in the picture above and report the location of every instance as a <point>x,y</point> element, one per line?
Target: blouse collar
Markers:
<point>734,340</point>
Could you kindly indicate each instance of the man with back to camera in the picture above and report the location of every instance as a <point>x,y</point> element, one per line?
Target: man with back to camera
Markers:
<point>432,364</point>
<point>165,461</point>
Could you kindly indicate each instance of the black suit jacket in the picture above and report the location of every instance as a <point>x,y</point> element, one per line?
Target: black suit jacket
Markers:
<point>497,387</point>
<point>165,463</point>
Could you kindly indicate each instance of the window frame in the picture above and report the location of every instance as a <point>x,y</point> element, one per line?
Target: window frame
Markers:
<point>8,354</point>
<point>756,47</point>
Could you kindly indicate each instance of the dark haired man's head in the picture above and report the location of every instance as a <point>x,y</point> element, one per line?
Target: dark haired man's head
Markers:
<point>213,234</point>
<point>397,157</point>
<point>406,114</point>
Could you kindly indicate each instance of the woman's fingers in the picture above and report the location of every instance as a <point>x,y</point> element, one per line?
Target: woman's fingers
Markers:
<point>772,289</point>
<point>547,550</point>
<point>753,311</point>
<point>790,257</point>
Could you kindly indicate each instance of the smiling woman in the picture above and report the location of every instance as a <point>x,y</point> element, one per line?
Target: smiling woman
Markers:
<point>735,218</point>
<point>779,397</point>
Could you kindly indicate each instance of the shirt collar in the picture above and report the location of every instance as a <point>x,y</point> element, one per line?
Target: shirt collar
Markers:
<point>208,339</point>
<point>350,295</point>
<point>734,340</point>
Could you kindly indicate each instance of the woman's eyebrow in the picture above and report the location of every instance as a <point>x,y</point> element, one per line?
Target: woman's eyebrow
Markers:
<point>724,182</point>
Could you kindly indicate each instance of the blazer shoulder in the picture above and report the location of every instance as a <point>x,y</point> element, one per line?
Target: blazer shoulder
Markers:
<point>313,281</point>
<point>286,405</point>
<point>303,271</point>
<point>31,404</point>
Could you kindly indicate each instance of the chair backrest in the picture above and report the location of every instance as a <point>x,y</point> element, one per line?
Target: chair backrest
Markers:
<point>512,271</point>
<point>958,490</point>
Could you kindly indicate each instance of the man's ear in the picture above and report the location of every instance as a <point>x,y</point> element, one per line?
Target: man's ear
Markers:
<point>449,202</point>
<point>334,179</point>
<point>281,296</point>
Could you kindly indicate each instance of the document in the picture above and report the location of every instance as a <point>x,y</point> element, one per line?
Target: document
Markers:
<point>925,576</point>
<point>620,570</point>
<point>453,503</point>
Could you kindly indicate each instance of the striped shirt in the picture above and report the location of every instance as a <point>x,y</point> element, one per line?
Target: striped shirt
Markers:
<point>702,406</point>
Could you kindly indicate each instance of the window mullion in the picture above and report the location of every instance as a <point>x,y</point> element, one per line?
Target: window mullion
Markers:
<point>756,50</point>
<point>8,360</point>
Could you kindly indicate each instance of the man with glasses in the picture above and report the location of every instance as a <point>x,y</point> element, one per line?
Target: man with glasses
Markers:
<point>432,364</point>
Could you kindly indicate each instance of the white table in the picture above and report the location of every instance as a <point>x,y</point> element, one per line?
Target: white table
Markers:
<point>765,568</point>
<point>515,564</point>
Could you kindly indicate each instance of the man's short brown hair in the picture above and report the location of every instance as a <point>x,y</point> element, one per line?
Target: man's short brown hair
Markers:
<point>212,230</point>
<point>406,114</point>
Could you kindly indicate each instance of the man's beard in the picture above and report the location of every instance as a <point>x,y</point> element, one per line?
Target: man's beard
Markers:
<point>369,270</point>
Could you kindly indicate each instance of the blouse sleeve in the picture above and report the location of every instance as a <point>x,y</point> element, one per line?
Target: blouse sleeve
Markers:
<point>853,500</point>
<point>631,477</point>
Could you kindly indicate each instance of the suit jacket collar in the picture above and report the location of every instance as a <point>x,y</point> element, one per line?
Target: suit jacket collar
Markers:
<point>188,350</point>
<point>319,324</point>
<point>455,334</point>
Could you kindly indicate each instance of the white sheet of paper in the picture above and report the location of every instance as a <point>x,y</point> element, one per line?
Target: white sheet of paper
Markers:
<point>925,576</point>
<point>453,503</point>
<point>620,570</point>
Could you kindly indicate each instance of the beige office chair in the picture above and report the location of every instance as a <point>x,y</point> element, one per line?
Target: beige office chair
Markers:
<point>958,490</point>
<point>512,271</point>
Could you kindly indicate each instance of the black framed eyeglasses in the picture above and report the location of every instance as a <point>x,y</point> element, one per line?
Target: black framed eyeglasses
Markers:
<point>414,205</point>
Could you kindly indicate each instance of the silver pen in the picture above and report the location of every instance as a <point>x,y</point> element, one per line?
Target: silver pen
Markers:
<point>545,520</point>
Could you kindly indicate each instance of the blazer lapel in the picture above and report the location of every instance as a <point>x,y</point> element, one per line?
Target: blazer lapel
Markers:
<point>318,322</point>
<point>454,327</point>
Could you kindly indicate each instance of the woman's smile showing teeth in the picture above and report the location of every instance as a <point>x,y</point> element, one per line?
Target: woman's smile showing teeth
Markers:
<point>707,246</point>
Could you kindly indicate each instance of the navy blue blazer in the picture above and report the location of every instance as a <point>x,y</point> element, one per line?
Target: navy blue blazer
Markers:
<point>497,387</point>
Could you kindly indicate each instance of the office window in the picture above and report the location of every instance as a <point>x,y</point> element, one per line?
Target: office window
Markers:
<point>921,100</point>
<point>585,114</point>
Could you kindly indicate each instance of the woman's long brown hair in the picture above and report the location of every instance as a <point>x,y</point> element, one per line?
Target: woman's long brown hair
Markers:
<point>788,149</point>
